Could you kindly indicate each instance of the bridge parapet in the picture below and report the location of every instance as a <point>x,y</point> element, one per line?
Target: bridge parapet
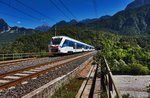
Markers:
<point>108,81</point>
<point>14,56</point>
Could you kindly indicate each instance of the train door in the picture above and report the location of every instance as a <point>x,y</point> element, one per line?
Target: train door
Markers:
<point>75,47</point>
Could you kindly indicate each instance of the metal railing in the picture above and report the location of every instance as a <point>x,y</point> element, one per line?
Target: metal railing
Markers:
<point>14,56</point>
<point>111,88</point>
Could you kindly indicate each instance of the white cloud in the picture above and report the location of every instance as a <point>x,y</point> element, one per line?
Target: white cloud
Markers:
<point>18,22</point>
<point>43,20</point>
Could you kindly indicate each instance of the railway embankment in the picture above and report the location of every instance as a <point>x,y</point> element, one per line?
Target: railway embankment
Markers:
<point>44,85</point>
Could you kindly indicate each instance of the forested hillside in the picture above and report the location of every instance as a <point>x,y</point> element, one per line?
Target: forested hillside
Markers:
<point>128,55</point>
<point>7,38</point>
<point>128,22</point>
<point>39,41</point>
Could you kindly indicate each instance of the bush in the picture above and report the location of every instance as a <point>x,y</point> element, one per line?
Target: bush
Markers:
<point>127,96</point>
<point>138,69</point>
<point>120,67</point>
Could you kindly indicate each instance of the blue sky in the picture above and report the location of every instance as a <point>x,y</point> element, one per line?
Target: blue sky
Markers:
<point>82,9</point>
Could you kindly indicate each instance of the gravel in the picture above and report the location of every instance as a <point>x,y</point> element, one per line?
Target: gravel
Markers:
<point>22,89</point>
<point>31,63</point>
<point>134,85</point>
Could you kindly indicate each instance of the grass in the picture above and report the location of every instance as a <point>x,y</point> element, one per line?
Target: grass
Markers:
<point>103,93</point>
<point>69,90</point>
<point>127,96</point>
<point>148,88</point>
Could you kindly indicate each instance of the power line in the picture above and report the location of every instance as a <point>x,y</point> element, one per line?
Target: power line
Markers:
<point>27,6</point>
<point>59,9</point>
<point>67,8</point>
<point>95,8</point>
<point>96,14</point>
<point>20,11</point>
<point>11,15</point>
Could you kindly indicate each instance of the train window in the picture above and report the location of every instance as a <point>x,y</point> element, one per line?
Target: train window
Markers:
<point>79,46</point>
<point>71,44</point>
<point>82,46</point>
<point>56,41</point>
<point>65,42</point>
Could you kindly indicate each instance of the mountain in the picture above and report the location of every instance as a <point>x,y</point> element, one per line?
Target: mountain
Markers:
<point>128,22</point>
<point>137,3</point>
<point>39,41</point>
<point>43,28</point>
<point>88,20</point>
<point>95,19</point>
<point>64,23</point>
<point>3,26</point>
<point>9,34</point>
<point>104,17</point>
<point>74,22</point>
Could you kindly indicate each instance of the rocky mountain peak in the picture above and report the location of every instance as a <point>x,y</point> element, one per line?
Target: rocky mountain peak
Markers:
<point>3,26</point>
<point>44,28</point>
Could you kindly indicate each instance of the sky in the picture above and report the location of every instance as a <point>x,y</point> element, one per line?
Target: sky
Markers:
<point>44,11</point>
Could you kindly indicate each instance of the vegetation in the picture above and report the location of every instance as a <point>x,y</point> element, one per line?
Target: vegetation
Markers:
<point>7,38</point>
<point>127,96</point>
<point>69,90</point>
<point>148,88</point>
<point>125,54</point>
<point>39,41</point>
<point>103,93</point>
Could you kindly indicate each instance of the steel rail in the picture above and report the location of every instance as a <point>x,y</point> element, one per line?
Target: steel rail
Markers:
<point>33,67</point>
<point>12,62</point>
<point>12,83</point>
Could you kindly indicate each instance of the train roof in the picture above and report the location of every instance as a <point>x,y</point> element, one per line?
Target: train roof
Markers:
<point>70,39</point>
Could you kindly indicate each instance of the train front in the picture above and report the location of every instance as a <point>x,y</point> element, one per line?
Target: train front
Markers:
<point>54,47</point>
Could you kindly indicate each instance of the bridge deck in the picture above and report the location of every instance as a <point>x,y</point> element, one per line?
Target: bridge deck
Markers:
<point>91,85</point>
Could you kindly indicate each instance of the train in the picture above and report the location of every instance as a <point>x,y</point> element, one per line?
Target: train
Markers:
<point>64,45</point>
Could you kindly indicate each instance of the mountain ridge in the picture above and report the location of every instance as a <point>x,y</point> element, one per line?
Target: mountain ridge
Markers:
<point>127,22</point>
<point>137,3</point>
<point>43,28</point>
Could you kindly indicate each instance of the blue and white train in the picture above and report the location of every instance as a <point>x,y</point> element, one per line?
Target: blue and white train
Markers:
<point>64,44</point>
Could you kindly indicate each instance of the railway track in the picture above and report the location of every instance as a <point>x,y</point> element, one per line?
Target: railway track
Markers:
<point>15,77</point>
<point>13,62</point>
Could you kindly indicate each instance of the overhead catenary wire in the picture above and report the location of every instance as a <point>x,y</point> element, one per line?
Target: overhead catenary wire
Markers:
<point>59,9</point>
<point>27,6</point>
<point>95,8</point>
<point>67,8</point>
<point>7,14</point>
<point>38,19</point>
<point>96,14</point>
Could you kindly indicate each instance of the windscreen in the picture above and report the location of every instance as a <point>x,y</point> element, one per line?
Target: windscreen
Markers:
<point>56,41</point>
